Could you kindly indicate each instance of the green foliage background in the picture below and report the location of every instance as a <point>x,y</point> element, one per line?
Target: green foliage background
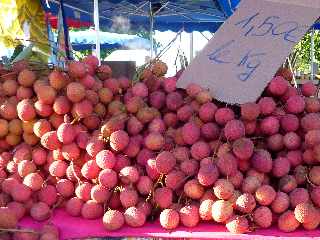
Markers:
<point>301,56</point>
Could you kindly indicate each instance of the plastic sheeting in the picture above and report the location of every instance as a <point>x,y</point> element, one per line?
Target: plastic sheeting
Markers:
<point>73,227</point>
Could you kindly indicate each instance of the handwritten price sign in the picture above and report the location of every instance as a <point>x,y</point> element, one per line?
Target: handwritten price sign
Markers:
<point>240,60</point>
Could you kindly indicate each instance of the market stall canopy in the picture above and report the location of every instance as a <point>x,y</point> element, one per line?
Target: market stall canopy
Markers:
<point>317,26</point>
<point>197,15</point>
<point>83,40</point>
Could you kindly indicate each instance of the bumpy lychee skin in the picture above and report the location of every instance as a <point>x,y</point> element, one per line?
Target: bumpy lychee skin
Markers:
<point>300,174</point>
<point>58,168</point>
<point>312,225</point>
<point>193,189</point>
<point>315,196</point>
<point>65,188</point>
<point>205,212</point>
<point>174,100</point>
<point>119,140</point>
<point>100,194</point>
<point>40,211</point>
<point>295,104</point>
<point>154,141</point>
<point>108,178</point>
<point>26,110</point>
<point>128,197</point>
<point>91,210</point>
<point>25,167</point>
<point>265,195</point>
<point>278,86</point>
<point>207,111</point>
<point>66,133</point>
<point>227,164</point>
<point>250,111</point>
<point>299,195</point>
<point>134,217</point>
<point>224,115</point>
<point>48,195</point>
<point>262,216</point>
<point>50,141</point>
<point>223,189</point>
<point>312,139</point>
<point>281,167</point>
<point>26,78</point>
<point>269,125</point>
<point>305,212</point>
<point>308,89</point>
<point>163,197</point>
<point>210,131</point>
<point>169,219</point>
<point>267,105</point>
<point>236,179</point>
<point>113,220</point>
<point>189,215</point>
<point>8,218</point>
<point>289,123</point>
<point>234,130</point>
<point>237,224</point>
<point>94,146</point>
<point>34,181</point>
<point>314,175</point>
<point>145,207</point>
<point>83,191</point>
<point>18,209</point>
<point>190,133</point>
<point>129,175</point>
<point>200,150</point>
<point>75,92</point>
<point>175,179</point>
<point>73,206</point>
<point>242,148</point>
<point>250,184</point>
<point>165,162</point>
<point>41,127</point>
<point>246,203</point>
<point>287,183</point>
<point>208,174</point>
<point>295,157</point>
<point>20,193</point>
<point>221,211</point>
<point>281,202</point>
<point>287,222</point>
<point>90,170</point>
<point>262,161</point>
<point>310,122</point>
<point>144,185</point>
<point>312,105</point>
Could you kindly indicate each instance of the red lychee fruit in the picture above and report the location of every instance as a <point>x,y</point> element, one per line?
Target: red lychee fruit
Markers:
<point>113,220</point>
<point>169,219</point>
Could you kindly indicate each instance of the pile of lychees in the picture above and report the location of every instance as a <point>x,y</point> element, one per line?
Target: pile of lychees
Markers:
<point>129,153</point>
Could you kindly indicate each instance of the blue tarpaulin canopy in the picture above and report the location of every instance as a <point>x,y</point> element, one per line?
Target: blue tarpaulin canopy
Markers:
<point>317,26</point>
<point>82,40</point>
<point>174,15</point>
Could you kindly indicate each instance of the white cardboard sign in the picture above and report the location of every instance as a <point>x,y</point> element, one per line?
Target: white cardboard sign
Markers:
<point>244,54</point>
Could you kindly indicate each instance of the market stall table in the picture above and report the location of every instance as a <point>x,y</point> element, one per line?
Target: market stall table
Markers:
<point>76,227</point>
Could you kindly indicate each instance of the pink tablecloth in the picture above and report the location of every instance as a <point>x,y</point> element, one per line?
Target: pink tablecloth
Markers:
<point>72,227</point>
